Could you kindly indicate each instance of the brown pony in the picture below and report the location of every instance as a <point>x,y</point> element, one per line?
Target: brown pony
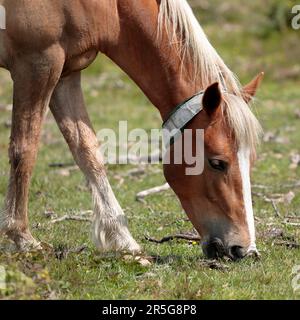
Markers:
<point>161,46</point>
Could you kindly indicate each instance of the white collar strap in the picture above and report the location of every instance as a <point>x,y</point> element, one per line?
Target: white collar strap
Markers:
<point>180,117</point>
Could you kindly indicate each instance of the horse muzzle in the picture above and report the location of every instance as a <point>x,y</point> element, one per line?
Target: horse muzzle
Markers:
<point>215,249</point>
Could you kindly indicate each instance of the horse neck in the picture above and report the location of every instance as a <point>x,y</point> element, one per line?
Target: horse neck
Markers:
<point>152,63</point>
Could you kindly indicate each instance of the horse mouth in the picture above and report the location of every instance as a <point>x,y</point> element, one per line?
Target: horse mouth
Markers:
<point>216,249</point>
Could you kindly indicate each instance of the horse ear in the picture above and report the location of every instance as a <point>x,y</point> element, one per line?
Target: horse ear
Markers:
<point>250,89</point>
<point>212,98</point>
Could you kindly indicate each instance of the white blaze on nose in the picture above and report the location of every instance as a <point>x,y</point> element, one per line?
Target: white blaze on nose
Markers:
<point>244,165</point>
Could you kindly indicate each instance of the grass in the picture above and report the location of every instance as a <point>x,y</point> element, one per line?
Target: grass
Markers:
<point>181,271</point>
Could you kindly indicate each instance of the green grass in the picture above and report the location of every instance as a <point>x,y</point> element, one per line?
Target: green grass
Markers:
<point>180,271</point>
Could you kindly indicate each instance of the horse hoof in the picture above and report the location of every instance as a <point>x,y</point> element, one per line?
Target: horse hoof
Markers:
<point>129,246</point>
<point>29,246</point>
<point>24,241</point>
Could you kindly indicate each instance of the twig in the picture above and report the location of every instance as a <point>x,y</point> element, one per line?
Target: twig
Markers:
<point>62,253</point>
<point>293,217</point>
<point>288,244</point>
<point>260,186</point>
<point>78,249</point>
<point>69,217</point>
<point>61,165</point>
<point>141,195</point>
<point>144,159</point>
<point>292,185</point>
<point>262,196</point>
<point>277,213</point>
<point>188,237</point>
<point>294,224</point>
<point>135,172</point>
<point>278,197</point>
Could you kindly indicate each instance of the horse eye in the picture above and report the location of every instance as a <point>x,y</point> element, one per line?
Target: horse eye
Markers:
<point>218,164</point>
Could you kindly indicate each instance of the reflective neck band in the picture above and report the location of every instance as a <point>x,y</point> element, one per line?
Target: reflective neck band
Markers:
<point>180,117</point>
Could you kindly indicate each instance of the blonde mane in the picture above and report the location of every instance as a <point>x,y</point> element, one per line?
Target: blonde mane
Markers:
<point>178,20</point>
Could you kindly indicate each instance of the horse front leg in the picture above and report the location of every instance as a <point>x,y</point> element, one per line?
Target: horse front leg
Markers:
<point>109,230</point>
<point>34,81</point>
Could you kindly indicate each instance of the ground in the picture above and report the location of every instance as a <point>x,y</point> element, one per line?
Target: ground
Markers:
<point>250,39</point>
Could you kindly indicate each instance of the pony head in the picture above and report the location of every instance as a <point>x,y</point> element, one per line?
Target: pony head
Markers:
<point>218,201</point>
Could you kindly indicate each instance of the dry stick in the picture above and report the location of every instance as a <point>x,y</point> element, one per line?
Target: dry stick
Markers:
<point>140,170</point>
<point>294,224</point>
<point>62,254</point>
<point>78,249</point>
<point>62,165</point>
<point>73,218</point>
<point>293,217</point>
<point>287,244</point>
<point>292,185</point>
<point>262,196</point>
<point>277,213</point>
<point>269,200</point>
<point>176,236</point>
<point>135,172</point>
<point>145,159</point>
<point>141,195</point>
<point>260,186</point>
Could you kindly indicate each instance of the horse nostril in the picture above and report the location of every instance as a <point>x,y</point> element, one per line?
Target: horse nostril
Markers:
<point>214,249</point>
<point>236,252</point>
